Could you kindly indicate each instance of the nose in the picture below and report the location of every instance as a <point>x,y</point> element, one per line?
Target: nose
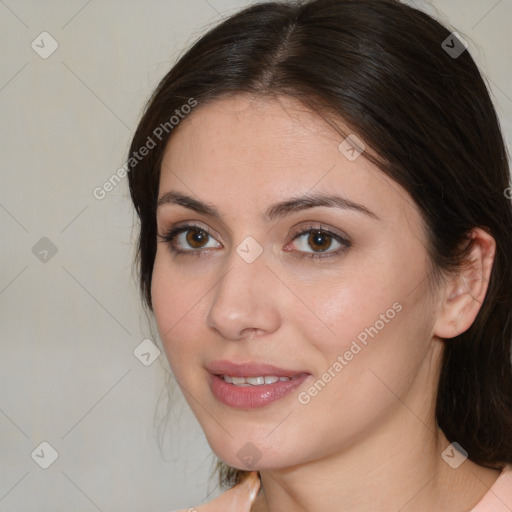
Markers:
<point>243,303</point>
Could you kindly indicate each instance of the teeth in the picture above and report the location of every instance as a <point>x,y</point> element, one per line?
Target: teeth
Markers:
<point>253,381</point>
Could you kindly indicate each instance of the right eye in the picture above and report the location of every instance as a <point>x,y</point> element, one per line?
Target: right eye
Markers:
<point>187,234</point>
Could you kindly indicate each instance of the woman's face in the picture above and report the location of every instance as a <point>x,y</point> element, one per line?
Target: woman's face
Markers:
<point>334,296</point>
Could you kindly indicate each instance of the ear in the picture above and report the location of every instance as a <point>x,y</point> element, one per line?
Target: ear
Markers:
<point>464,292</point>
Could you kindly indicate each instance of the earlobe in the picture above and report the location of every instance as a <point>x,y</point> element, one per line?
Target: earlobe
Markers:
<point>465,292</point>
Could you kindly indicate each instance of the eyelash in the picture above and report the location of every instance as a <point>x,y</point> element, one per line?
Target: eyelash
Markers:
<point>173,233</point>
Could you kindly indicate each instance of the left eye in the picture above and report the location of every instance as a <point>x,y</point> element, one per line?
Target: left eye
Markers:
<point>320,241</point>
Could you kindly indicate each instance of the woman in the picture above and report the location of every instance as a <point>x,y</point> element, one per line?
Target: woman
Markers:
<point>325,244</point>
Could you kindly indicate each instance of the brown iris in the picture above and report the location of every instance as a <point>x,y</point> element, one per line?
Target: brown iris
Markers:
<point>196,238</point>
<point>319,238</point>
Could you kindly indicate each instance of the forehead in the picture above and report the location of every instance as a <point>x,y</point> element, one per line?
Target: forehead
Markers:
<point>243,124</point>
<point>263,150</point>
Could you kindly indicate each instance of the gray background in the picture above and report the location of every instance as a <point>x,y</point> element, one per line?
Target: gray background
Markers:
<point>70,321</point>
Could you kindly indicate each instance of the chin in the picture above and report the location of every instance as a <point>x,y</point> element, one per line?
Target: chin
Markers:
<point>254,453</point>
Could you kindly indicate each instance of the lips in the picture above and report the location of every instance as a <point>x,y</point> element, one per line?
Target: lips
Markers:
<point>245,395</point>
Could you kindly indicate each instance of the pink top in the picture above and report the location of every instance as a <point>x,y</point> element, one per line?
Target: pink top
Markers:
<point>240,497</point>
<point>499,497</point>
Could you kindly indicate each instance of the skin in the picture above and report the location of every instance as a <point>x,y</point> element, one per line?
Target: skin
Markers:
<point>368,440</point>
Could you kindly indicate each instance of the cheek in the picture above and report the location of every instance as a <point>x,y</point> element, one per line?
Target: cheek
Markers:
<point>376,315</point>
<point>177,307</point>
<point>348,304</point>
<point>376,352</point>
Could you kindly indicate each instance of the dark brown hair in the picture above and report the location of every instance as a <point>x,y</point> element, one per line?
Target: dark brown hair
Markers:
<point>379,67</point>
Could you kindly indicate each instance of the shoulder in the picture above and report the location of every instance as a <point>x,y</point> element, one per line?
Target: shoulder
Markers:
<point>499,496</point>
<point>237,499</point>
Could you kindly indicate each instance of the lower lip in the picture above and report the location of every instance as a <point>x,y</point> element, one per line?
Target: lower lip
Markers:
<point>251,397</point>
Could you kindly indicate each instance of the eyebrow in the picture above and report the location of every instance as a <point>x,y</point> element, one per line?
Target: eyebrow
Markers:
<point>273,212</point>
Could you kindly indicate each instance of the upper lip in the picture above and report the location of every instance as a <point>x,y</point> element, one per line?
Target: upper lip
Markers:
<point>249,369</point>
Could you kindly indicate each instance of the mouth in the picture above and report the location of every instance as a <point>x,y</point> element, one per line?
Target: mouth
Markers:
<point>252,385</point>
